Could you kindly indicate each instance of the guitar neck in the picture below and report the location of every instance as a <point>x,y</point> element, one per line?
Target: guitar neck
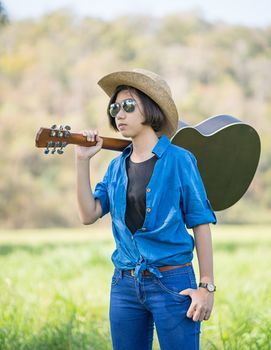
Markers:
<point>109,143</point>
<point>44,136</point>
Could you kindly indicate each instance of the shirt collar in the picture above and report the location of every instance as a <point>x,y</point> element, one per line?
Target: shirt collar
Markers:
<point>127,150</point>
<point>159,149</point>
<point>161,146</point>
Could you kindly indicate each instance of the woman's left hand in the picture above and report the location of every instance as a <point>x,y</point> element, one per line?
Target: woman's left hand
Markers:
<point>202,303</point>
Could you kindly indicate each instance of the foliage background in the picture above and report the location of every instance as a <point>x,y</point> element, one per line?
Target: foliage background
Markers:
<point>49,68</point>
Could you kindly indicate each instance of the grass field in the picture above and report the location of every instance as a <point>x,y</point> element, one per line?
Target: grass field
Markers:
<point>54,289</point>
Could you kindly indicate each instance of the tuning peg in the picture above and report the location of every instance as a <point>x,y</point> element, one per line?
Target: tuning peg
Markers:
<point>60,150</point>
<point>49,144</point>
<point>67,131</point>
<point>60,132</point>
<point>53,130</point>
<point>56,144</point>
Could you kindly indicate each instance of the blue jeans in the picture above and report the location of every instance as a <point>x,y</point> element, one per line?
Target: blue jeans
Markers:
<point>136,307</point>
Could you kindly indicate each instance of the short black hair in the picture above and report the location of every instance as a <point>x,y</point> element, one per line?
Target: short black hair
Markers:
<point>153,114</point>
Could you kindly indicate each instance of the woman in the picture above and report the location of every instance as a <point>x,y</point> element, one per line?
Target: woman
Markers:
<point>154,192</point>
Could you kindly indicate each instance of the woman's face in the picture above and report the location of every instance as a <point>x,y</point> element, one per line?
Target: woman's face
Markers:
<point>130,124</point>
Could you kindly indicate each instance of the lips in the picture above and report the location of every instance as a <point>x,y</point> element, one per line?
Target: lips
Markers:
<point>121,125</point>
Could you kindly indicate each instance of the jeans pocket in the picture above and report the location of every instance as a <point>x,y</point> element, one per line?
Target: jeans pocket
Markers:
<point>174,284</point>
<point>116,277</point>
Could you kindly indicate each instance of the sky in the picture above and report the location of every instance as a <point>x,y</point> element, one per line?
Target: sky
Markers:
<point>246,12</point>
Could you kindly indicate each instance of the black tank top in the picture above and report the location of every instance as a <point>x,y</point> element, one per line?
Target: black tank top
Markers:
<point>139,175</point>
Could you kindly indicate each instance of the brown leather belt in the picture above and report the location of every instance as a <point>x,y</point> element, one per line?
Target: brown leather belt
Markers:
<point>162,268</point>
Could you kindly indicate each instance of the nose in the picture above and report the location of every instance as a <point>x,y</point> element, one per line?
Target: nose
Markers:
<point>121,114</point>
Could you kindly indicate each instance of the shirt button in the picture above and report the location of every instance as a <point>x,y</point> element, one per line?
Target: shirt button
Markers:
<point>132,237</point>
<point>148,190</point>
<point>148,210</point>
<point>143,229</point>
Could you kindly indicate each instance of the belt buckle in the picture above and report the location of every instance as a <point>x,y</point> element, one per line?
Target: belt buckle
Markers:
<point>133,272</point>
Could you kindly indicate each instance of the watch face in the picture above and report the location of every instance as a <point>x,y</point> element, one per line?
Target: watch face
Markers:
<point>210,287</point>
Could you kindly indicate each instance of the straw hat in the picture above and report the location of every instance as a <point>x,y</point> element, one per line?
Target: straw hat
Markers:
<point>152,85</point>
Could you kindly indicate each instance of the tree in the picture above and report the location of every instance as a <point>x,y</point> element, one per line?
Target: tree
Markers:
<point>3,15</point>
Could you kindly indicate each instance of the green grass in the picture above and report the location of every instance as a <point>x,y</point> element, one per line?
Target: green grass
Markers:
<point>54,289</point>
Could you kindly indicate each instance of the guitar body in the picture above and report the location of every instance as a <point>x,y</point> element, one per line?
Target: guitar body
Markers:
<point>227,152</point>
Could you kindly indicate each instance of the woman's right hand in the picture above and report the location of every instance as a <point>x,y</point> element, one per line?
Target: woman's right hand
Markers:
<point>85,153</point>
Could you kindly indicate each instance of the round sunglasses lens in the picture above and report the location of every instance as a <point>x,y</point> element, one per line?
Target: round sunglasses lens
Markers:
<point>114,109</point>
<point>129,106</point>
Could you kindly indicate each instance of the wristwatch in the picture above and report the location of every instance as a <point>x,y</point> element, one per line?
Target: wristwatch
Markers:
<point>209,286</point>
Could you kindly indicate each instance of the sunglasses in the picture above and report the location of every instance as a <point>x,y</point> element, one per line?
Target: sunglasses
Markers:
<point>127,105</point>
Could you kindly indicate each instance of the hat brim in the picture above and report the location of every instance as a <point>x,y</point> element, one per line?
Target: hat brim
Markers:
<point>151,88</point>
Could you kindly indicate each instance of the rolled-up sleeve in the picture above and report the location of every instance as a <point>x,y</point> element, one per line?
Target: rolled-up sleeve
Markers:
<point>196,206</point>
<point>101,193</point>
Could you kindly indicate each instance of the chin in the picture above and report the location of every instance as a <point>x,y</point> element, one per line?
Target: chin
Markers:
<point>126,134</point>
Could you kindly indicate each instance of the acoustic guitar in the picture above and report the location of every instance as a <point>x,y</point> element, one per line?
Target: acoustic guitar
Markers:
<point>227,152</point>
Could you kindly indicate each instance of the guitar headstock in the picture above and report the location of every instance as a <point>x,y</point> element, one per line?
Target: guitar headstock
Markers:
<point>57,138</point>
<point>54,139</point>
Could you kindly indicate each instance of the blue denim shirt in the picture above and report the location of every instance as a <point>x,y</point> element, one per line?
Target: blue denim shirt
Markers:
<point>175,200</point>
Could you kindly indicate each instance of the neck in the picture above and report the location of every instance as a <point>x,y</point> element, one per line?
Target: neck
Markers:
<point>143,145</point>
